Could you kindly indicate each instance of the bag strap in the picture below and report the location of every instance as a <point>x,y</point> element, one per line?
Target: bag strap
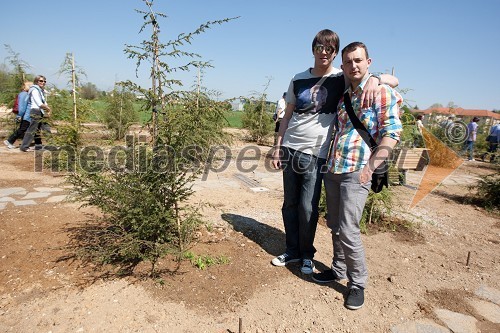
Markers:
<point>320,82</point>
<point>42,95</point>
<point>358,125</point>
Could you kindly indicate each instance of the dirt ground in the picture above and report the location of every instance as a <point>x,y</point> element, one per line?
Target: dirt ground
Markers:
<point>44,288</point>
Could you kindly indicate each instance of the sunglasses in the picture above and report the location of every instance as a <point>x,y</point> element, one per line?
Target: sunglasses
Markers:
<point>42,81</point>
<point>319,48</point>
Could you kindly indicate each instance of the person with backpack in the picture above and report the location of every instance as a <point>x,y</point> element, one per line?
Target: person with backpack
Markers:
<point>22,117</point>
<point>37,109</point>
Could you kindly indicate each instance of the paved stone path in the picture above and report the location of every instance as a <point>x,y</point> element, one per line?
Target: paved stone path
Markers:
<point>20,196</point>
<point>487,304</point>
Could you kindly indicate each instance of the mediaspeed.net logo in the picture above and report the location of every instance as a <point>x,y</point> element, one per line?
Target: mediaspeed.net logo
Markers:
<point>133,156</point>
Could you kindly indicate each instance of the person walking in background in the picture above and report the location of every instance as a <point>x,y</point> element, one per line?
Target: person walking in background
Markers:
<point>303,142</point>
<point>447,123</point>
<point>350,167</point>
<point>279,113</point>
<point>38,110</point>
<point>419,123</point>
<point>493,141</point>
<point>419,135</point>
<point>22,117</point>
<point>471,138</point>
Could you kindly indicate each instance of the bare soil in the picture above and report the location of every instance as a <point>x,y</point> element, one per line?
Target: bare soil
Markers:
<point>44,287</point>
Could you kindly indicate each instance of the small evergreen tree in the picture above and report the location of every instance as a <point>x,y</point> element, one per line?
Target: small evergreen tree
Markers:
<point>144,200</point>
<point>488,191</point>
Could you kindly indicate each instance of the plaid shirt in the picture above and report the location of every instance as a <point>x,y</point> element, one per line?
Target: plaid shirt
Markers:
<point>349,152</point>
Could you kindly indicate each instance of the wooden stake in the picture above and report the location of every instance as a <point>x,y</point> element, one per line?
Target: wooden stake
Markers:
<point>73,80</point>
<point>241,325</point>
<point>468,259</point>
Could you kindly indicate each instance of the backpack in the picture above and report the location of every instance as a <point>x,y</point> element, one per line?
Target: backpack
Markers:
<point>15,108</point>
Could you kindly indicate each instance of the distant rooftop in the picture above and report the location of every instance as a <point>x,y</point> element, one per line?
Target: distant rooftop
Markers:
<point>460,112</point>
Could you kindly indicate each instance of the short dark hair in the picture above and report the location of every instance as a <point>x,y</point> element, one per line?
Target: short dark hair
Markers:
<point>353,46</point>
<point>419,117</point>
<point>327,37</point>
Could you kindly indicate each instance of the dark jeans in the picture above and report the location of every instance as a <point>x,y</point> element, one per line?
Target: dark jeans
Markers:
<point>493,147</point>
<point>302,179</point>
<point>277,126</point>
<point>492,151</point>
<point>19,133</point>
<point>469,146</point>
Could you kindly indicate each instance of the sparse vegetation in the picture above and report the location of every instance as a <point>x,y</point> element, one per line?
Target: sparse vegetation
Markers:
<point>488,191</point>
<point>205,261</point>
<point>120,113</point>
<point>377,210</point>
<point>257,117</point>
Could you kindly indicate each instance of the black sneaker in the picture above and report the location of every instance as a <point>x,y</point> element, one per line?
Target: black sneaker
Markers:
<point>325,277</point>
<point>355,299</point>
<point>283,259</point>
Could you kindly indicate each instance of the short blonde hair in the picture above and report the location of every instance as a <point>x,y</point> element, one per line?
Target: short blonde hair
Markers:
<point>27,85</point>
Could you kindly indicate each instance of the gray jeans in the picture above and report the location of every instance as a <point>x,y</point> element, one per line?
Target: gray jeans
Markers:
<point>345,200</point>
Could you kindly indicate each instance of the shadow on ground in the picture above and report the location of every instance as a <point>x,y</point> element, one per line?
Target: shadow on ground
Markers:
<point>269,238</point>
<point>463,199</point>
<point>272,241</point>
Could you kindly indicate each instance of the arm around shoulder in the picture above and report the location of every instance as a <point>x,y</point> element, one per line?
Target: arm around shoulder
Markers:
<point>389,79</point>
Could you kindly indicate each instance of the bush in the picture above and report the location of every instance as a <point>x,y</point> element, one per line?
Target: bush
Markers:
<point>61,103</point>
<point>142,218</point>
<point>120,113</point>
<point>257,118</point>
<point>377,208</point>
<point>410,133</point>
<point>488,191</point>
<point>145,215</point>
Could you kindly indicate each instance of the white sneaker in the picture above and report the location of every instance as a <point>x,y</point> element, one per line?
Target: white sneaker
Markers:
<point>283,259</point>
<point>8,144</point>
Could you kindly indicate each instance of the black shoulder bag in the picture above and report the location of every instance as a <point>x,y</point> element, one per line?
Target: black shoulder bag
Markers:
<point>380,176</point>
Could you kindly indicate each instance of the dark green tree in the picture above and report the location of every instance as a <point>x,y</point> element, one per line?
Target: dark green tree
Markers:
<point>144,201</point>
<point>89,91</point>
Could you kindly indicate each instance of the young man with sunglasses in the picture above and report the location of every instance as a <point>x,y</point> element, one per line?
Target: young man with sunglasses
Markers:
<point>38,109</point>
<point>303,142</point>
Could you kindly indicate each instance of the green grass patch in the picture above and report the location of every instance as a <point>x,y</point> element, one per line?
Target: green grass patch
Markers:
<point>234,119</point>
<point>204,261</point>
<point>99,106</point>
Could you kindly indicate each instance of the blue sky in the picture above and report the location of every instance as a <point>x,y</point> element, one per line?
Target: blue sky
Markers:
<point>442,50</point>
